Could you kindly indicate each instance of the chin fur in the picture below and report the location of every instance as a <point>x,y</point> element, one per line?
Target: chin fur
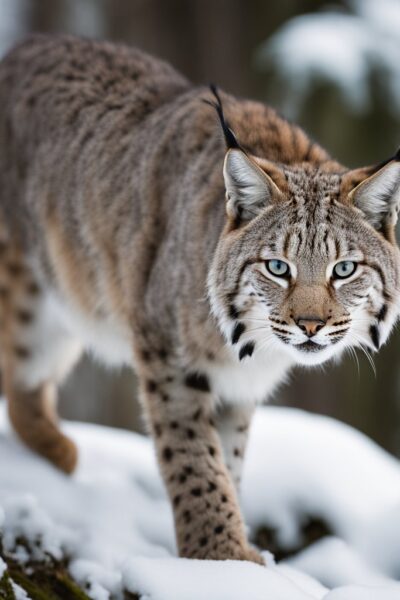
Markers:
<point>310,359</point>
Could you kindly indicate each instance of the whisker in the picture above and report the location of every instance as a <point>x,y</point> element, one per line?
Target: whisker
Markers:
<point>261,328</point>
<point>253,319</point>
<point>354,356</point>
<point>361,344</point>
<point>264,347</point>
<point>267,342</point>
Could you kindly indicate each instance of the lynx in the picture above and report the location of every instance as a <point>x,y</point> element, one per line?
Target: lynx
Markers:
<point>199,238</point>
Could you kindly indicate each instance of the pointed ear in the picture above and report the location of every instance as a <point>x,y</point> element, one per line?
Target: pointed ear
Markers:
<point>378,193</point>
<point>248,188</point>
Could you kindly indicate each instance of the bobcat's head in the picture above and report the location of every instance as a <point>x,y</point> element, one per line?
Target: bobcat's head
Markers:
<point>308,260</point>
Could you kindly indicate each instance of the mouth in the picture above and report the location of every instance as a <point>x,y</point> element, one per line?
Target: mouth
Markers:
<point>308,346</point>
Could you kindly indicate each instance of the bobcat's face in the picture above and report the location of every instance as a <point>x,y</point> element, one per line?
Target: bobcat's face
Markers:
<point>308,261</point>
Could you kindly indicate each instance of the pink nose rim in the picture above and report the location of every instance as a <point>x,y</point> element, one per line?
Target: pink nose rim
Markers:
<point>310,325</point>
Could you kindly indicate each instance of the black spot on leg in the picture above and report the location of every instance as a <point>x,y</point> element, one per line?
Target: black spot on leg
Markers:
<point>190,434</point>
<point>374,334</point>
<point>174,425</point>
<point>211,450</point>
<point>224,499</point>
<point>211,487</point>
<point>167,454</point>
<point>15,269</point>
<point>151,386</point>
<point>219,529</point>
<point>33,288</point>
<point>236,452</point>
<point>182,478</point>
<point>197,415</point>
<point>146,355</point>
<point>197,381</point>
<point>162,354</point>
<point>22,352</point>
<point>246,350</point>
<point>4,293</point>
<point>165,397</point>
<point>158,430</point>
<point>238,330</point>
<point>187,516</point>
<point>242,428</point>
<point>203,541</point>
<point>176,500</point>
<point>197,492</point>
<point>24,316</point>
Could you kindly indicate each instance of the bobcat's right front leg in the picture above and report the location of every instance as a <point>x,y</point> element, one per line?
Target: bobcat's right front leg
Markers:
<point>208,522</point>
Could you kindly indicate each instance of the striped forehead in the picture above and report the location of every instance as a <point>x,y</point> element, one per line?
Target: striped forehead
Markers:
<point>312,189</point>
<point>309,228</point>
<point>316,241</point>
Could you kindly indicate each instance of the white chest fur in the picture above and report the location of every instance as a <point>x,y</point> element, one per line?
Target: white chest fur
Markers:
<point>251,380</point>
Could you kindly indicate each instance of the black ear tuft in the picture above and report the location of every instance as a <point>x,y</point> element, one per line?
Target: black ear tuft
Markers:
<point>230,139</point>
<point>382,164</point>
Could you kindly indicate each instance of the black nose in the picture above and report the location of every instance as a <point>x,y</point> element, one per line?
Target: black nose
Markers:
<point>310,325</point>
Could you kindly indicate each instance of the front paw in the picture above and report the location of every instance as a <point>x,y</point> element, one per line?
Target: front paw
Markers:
<point>228,550</point>
<point>252,555</point>
<point>242,552</point>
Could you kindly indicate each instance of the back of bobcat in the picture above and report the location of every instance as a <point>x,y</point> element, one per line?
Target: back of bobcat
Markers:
<point>130,227</point>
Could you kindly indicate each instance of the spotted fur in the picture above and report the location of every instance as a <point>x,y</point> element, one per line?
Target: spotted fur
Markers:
<point>115,236</point>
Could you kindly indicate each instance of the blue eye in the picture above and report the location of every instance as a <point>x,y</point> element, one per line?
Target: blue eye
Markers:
<point>344,269</point>
<point>277,267</point>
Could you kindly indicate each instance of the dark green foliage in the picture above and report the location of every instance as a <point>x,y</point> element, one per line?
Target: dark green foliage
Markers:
<point>45,581</point>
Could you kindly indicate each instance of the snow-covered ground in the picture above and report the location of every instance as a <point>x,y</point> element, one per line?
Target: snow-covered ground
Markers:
<point>113,519</point>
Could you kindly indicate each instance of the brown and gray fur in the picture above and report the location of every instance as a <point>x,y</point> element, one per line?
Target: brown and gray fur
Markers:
<point>116,237</point>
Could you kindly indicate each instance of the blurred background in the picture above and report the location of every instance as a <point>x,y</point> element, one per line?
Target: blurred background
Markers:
<point>331,66</point>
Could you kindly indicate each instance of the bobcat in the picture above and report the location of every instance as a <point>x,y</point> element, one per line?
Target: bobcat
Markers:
<point>116,237</point>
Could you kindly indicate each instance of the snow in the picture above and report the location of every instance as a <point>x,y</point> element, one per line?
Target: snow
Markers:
<point>181,579</point>
<point>345,565</point>
<point>363,593</point>
<point>19,593</point>
<point>3,567</point>
<point>319,467</point>
<point>113,520</point>
<point>340,48</point>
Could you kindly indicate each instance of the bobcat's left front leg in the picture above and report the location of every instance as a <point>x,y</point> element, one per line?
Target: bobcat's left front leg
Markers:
<point>233,423</point>
<point>207,516</point>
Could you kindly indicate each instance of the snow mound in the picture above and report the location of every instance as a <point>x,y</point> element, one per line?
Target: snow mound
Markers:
<point>112,519</point>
